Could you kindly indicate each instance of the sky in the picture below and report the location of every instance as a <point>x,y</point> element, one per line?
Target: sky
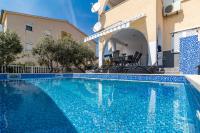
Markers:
<point>77,12</point>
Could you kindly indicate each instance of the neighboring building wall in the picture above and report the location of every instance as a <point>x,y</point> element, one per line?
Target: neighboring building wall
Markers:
<point>41,26</point>
<point>5,24</point>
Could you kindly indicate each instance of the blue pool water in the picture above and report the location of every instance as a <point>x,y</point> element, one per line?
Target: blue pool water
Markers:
<point>83,105</point>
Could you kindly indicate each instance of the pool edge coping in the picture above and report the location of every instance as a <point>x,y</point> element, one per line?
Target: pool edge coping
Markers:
<point>194,80</point>
<point>170,78</point>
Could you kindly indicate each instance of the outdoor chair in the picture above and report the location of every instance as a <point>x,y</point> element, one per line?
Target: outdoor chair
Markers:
<point>122,60</point>
<point>115,58</point>
<point>149,69</point>
<point>138,59</point>
<point>129,59</point>
<point>135,64</point>
<point>132,59</point>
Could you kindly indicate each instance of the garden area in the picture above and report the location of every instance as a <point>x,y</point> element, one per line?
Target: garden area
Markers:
<point>53,56</point>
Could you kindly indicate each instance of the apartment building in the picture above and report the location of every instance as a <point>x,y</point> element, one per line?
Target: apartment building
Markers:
<point>166,32</point>
<point>31,28</point>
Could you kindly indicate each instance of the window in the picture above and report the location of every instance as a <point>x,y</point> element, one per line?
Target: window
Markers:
<point>28,47</point>
<point>65,34</point>
<point>29,28</point>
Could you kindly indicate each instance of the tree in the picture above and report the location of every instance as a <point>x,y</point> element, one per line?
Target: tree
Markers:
<point>83,57</point>
<point>64,52</point>
<point>10,46</point>
<point>73,53</point>
<point>46,51</point>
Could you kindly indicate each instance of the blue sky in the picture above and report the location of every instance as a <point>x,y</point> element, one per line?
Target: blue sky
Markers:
<point>76,12</point>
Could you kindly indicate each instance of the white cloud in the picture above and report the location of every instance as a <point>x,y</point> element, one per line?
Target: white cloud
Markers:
<point>71,10</point>
<point>38,7</point>
<point>68,10</point>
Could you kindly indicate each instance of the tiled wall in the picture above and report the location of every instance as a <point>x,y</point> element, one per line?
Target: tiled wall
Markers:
<point>189,55</point>
<point>159,78</point>
<point>193,96</point>
<point>3,76</point>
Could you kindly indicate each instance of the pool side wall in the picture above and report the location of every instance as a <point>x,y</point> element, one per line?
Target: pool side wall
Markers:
<point>135,77</point>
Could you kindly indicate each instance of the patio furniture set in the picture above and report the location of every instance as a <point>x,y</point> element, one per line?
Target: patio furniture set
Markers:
<point>125,64</point>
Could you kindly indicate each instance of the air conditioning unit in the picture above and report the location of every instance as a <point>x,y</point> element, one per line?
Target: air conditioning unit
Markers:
<point>172,8</point>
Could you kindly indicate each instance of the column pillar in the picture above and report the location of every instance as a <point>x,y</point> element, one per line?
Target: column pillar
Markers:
<point>100,58</point>
<point>152,52</point>
<point>101,52</point>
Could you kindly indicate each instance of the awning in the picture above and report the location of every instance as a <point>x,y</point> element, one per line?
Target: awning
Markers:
<point>115,27</point>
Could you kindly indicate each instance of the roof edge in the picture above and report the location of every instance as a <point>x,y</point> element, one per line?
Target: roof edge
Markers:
<point>41,17</point>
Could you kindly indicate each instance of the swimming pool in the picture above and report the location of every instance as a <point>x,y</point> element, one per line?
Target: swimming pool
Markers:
<point>97,105</point>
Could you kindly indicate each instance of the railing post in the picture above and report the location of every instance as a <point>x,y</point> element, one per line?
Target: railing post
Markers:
<point>31,69</point>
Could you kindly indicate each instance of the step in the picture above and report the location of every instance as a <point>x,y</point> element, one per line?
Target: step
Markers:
<point>174,70</point>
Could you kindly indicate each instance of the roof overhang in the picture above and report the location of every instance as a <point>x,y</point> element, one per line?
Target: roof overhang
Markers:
<point>110,3</point>
<point>115,27</point>
<point>115,2</point>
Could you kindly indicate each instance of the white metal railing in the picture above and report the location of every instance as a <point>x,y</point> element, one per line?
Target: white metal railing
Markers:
<point>176,36</point>
<point>23,69</point>
<point>37,69</point>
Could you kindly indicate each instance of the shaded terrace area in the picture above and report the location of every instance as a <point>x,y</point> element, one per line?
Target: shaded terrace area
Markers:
<point>126,51</point>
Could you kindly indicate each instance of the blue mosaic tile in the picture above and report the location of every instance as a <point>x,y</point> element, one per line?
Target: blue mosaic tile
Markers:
<point>189,55</point>
<point>3,76</point>
<point>97,105</point>
<point>157,78</point>
<point>26,76</point>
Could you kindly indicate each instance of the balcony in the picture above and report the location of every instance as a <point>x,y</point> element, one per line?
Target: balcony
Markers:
<point>126,9</point>
<point>113,3</point>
